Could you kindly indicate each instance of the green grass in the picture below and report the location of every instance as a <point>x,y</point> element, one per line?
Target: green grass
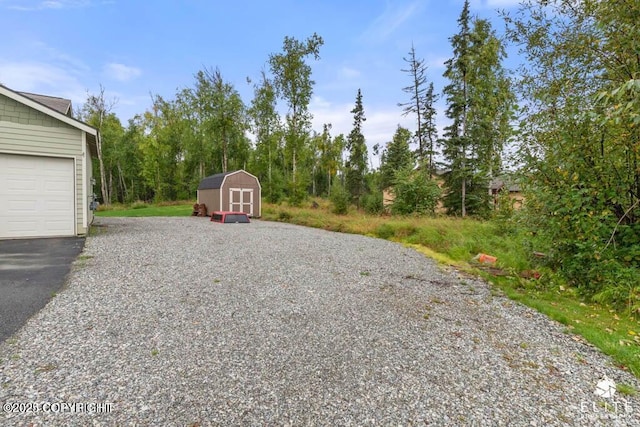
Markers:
<point>140,209</point>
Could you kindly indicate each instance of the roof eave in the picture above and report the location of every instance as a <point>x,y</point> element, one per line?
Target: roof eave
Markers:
<point>48,111</point>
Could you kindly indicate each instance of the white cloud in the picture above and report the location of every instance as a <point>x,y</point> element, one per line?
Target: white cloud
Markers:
<point>390,20</point>
<point>28,6</point>
<point>436,63</point>
<point>379,127</point>
<point>121,72</point>
<point>495,4</point>
<point>349,73</point>
<point>42,78</point>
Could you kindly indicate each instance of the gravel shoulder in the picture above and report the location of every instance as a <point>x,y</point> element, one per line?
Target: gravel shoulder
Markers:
<point>180,321</point>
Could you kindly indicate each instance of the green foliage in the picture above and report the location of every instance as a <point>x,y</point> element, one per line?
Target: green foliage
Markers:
<point>581,142</point>
<point>292,81</point>
<point>396,156</point>
<point>373,203</point>
<point>266,161</point>
<point>356,166</point>
<point>139,205</point>
<point>414,192</point>
<point>480,107</point>
<point>339,198</point>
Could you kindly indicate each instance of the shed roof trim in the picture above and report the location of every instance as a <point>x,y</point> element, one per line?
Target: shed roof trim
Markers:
<point>216,181</point>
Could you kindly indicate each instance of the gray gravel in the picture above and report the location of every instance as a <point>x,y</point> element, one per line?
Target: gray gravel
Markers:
<point>184,322</point>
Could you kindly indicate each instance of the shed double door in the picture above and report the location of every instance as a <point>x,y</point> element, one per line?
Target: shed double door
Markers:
<point>241,200</point>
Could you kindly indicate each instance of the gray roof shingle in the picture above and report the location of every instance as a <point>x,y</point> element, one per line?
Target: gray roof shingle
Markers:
<point>61,105</point>
<point>213,181</point>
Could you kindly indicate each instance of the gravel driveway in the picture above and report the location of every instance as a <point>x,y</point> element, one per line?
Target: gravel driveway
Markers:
<point>184,322</point>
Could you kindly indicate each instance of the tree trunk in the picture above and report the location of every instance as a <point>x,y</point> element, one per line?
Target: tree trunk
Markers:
<point>103,179</point>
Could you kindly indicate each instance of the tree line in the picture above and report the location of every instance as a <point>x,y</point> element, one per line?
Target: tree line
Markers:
<point>571,111</point>
<point>163,153</point>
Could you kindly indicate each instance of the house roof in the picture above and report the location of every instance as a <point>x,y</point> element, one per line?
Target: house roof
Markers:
<point>61,105</point>
<point>500,183</point>
<point>36,102</point>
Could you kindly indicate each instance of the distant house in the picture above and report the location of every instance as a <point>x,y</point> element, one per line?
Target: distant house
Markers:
<point>503,184</point>
<point>496,187</point>
<point>46,184</point>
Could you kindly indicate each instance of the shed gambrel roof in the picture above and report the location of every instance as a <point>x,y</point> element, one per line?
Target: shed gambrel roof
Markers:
<point>213,181</point>
<point>61,105</point>
<point>216,181</point>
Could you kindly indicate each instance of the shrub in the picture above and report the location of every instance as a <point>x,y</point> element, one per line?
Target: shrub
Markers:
<point>373,203</point>
<point>139,205</point>
<point>414,193</point>
<point>385,231</point>
<point>339,198</point>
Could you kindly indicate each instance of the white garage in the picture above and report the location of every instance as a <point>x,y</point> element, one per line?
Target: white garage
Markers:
<point>46,184</point>
<point>37,196</point>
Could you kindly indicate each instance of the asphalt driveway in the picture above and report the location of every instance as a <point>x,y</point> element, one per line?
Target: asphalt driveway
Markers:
<point>31,271</point>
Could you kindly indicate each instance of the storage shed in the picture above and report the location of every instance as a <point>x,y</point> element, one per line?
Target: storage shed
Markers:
<point>237,191</point>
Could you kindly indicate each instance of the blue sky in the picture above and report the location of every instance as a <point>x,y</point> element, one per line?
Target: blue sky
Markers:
<point>135,48</point>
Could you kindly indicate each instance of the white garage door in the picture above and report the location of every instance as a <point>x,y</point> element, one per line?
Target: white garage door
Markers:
<point>36,196</point>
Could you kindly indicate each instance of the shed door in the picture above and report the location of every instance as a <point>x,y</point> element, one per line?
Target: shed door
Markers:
<point>241,200</point>
<point>36,196</point>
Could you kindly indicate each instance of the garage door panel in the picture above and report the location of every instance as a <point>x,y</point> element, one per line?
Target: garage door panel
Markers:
<point>36,196</point>
<point>17,185</point>
<point>18,206</point>
<point>55,185</point>
<point>25,227</point>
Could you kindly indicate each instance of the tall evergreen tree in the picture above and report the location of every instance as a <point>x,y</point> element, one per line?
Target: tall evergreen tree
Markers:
<point>417,72</point>
<point>421,105</point>
<point>396,156</point>
<point>480,106</point>
<point>430,131</point>
<point>356,167</point>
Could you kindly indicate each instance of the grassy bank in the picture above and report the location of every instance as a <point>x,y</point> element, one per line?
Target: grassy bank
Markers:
<point>455,242</point>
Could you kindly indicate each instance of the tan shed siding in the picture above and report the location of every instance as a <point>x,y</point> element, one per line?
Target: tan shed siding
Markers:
<point>240,180</point>
<point>210,198</point>
<point>16,112</point>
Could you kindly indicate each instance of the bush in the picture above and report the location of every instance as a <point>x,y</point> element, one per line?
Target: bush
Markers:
<point>385,231</point>
<point>414,193</point>
<point>284,216</point>
<point>373,203</point>
<point>339,198</point>
<point>139,205</point>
